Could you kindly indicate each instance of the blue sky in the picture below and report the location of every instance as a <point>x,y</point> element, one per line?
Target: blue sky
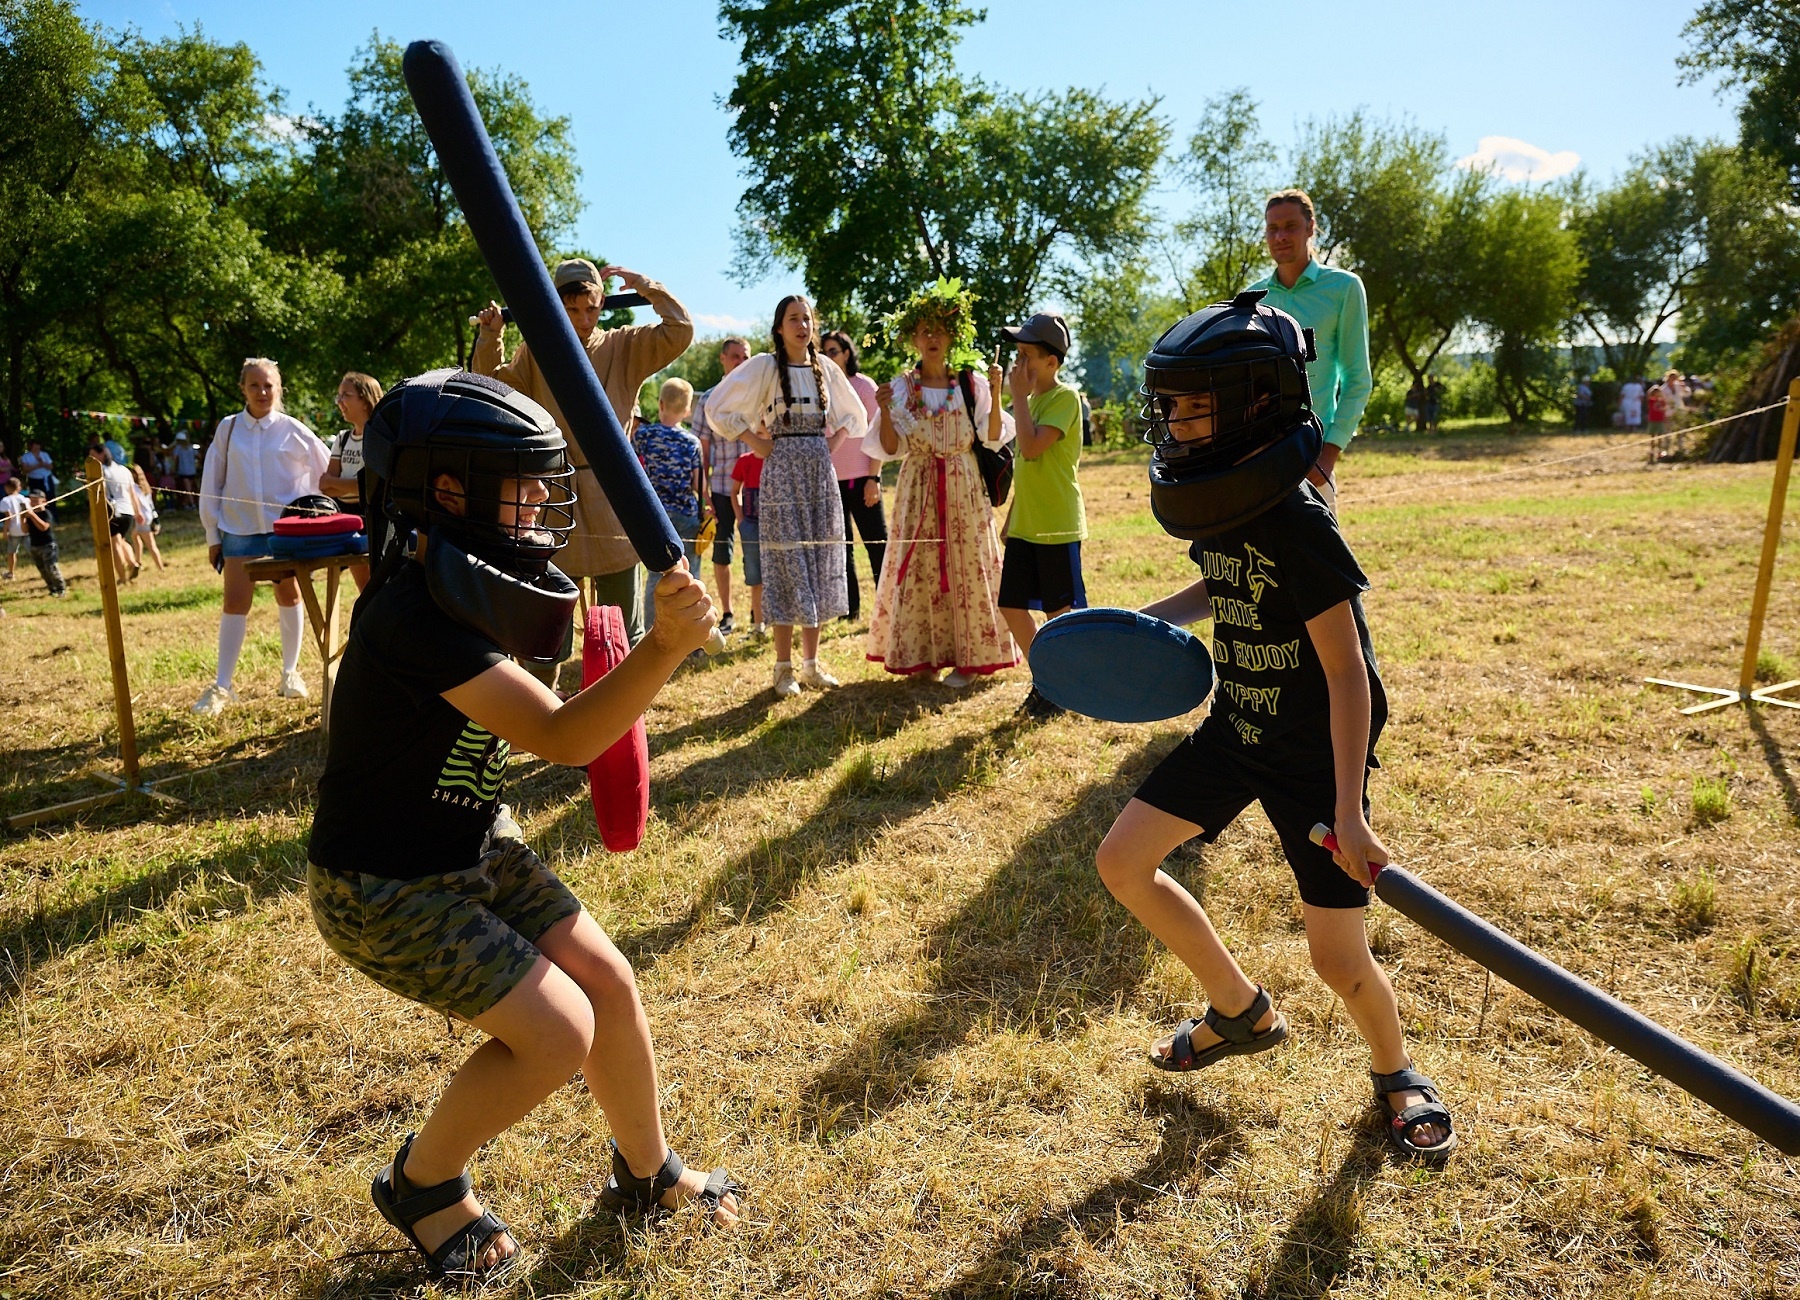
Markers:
<point>641,83</point>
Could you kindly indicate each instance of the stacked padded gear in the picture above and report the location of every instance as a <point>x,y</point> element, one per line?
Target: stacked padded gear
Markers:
<point>1250,360</point>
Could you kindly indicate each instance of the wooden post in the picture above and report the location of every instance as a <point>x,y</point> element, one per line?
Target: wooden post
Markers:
<point>100,517</point>
<point>1765,573</point>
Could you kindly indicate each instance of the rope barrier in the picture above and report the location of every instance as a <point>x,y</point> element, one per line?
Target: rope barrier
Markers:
<point>1522,470</point>
<point>891,539</point>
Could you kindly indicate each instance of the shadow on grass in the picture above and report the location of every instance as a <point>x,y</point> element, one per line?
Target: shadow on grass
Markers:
<point>1015,1264</point>
<point>793,746</point>
<point>1040,944</point>
<point>241,874</point>
<point>1317,1248</point>
<point>1777,761</point>
<point>254,770</point>
<point>769,873</point>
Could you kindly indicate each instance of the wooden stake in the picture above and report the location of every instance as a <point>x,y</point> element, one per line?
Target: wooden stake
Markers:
<point>1746,691</point>
<point>1765,573</point>
<point>100,518</point>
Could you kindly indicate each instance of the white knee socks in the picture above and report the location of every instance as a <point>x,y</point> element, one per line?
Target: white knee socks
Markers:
<point>289,616</point>
<point>231,643</point>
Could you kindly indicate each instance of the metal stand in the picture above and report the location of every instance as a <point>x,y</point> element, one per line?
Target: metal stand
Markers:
<point>1746,691</point>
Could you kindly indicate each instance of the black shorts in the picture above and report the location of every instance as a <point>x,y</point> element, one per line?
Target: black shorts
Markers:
<point>1203,782</point>
<point>122,525</point>
<point>1042,575</point>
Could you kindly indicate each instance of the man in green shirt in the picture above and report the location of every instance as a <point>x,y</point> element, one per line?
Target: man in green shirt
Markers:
<point>1042,567</point>
<point>1331,304</point>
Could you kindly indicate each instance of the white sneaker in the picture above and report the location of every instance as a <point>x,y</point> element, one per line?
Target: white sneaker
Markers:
<point>293,687</point>
<point>816,677</point>
<point>956,679</point>
<point>760,631</point>
<point>785,685</point>
<point>213,700</point>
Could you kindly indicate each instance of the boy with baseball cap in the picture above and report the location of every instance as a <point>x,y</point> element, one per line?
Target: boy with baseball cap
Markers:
<point>1044,531</point>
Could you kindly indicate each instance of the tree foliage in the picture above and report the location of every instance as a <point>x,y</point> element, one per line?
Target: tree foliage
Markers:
<point>1229,165</point>
<point>875,166</point>
<point>1754,44</point>
<point>162,217</point>
<point>1392,209</point>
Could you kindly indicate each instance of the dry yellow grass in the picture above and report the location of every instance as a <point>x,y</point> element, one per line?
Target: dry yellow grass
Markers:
<point>889,991</point>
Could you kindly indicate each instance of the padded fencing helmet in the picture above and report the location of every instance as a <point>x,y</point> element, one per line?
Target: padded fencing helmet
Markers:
<point>483,434</point>
<point>1241,366</point>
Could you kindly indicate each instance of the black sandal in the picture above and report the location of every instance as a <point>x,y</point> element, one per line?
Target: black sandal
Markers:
<point>626,1193</point>
<point>1401,1124</point>
<point>1238,1035</point>
<point>403,1205</point>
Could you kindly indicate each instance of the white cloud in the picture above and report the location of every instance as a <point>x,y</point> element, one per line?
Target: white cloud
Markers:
<point>714,322</point>
<point>1517,161</point>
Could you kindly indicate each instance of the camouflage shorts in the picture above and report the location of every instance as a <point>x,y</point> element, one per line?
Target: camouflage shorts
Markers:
<point>459,941</point>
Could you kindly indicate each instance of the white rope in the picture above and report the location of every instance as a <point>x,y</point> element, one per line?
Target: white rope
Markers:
<point>596,537</point>
<point>1520,470</point>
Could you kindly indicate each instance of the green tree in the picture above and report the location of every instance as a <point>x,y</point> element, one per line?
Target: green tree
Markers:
<point>1526,266</point>
<point>1679,232</point>
<point>362,192</point>
<point>1747,282</point>
<point>1754,44</point>
<point>62,114</point>
<point>1120,309</point>
<point>1229,165</point>
<point>1392,209</point>
<point>874,166</point>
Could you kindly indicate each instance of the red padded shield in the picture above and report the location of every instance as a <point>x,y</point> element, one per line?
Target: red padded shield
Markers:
<point>318,525</point>
<point>619,780</point>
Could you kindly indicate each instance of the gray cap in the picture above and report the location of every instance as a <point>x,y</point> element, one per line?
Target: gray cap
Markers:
<point>576,270</point>
<point>1046,329</point>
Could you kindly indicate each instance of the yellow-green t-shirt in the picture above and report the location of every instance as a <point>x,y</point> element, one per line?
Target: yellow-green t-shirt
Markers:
<point>1047,505</point>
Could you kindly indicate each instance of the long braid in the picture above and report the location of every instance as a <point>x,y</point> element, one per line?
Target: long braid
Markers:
<point>818,373</point>
<point>781,368</point>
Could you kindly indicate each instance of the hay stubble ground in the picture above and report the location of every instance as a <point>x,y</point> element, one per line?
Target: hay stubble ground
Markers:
<point>888,990</point>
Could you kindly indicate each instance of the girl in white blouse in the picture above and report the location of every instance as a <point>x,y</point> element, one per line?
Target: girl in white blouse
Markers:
<point>260,460</point>
<point>793,407</point>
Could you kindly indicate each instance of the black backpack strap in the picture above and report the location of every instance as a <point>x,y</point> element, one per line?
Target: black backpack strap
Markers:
<point>966,378</point>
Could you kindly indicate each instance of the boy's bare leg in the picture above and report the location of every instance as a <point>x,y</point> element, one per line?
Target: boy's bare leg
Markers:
<point>1339,945</point>
<point>540,1034</point>
<point>1130,863</point>
<point>621,1065</point>
<point>1022,625</point>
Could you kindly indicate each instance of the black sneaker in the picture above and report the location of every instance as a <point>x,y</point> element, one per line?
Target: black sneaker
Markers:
<point>1039,706</point>
<point>725,624</point>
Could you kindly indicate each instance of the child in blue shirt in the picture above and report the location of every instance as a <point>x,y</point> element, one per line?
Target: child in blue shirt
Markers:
<point>671,458</point>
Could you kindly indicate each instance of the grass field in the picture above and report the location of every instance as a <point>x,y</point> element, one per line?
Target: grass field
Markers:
<point>890,992</point>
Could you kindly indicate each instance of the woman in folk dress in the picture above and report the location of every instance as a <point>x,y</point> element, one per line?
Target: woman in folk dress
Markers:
<point>935,607</point>
<point>793,407</point>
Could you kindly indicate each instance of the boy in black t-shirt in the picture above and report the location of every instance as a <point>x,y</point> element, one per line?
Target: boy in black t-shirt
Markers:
<point>417,876</point>
<point>1298,707</point>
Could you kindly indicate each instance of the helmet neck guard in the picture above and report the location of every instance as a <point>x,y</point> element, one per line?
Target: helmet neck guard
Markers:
<point>532,618</point>
<point>1200,505</point>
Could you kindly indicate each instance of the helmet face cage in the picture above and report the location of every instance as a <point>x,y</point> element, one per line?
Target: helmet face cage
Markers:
<point>495,486</point>
<point>1252,403</point>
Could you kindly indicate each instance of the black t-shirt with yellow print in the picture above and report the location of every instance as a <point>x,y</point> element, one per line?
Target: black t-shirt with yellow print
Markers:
<point>1266,579</point>
<point>410,784</point>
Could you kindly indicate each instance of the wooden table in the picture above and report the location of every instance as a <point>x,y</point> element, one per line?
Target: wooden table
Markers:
<point>323,617</point>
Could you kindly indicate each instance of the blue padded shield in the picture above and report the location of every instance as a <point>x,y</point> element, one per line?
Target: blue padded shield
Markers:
<point>1121,666</point>
<point>467,156</point>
